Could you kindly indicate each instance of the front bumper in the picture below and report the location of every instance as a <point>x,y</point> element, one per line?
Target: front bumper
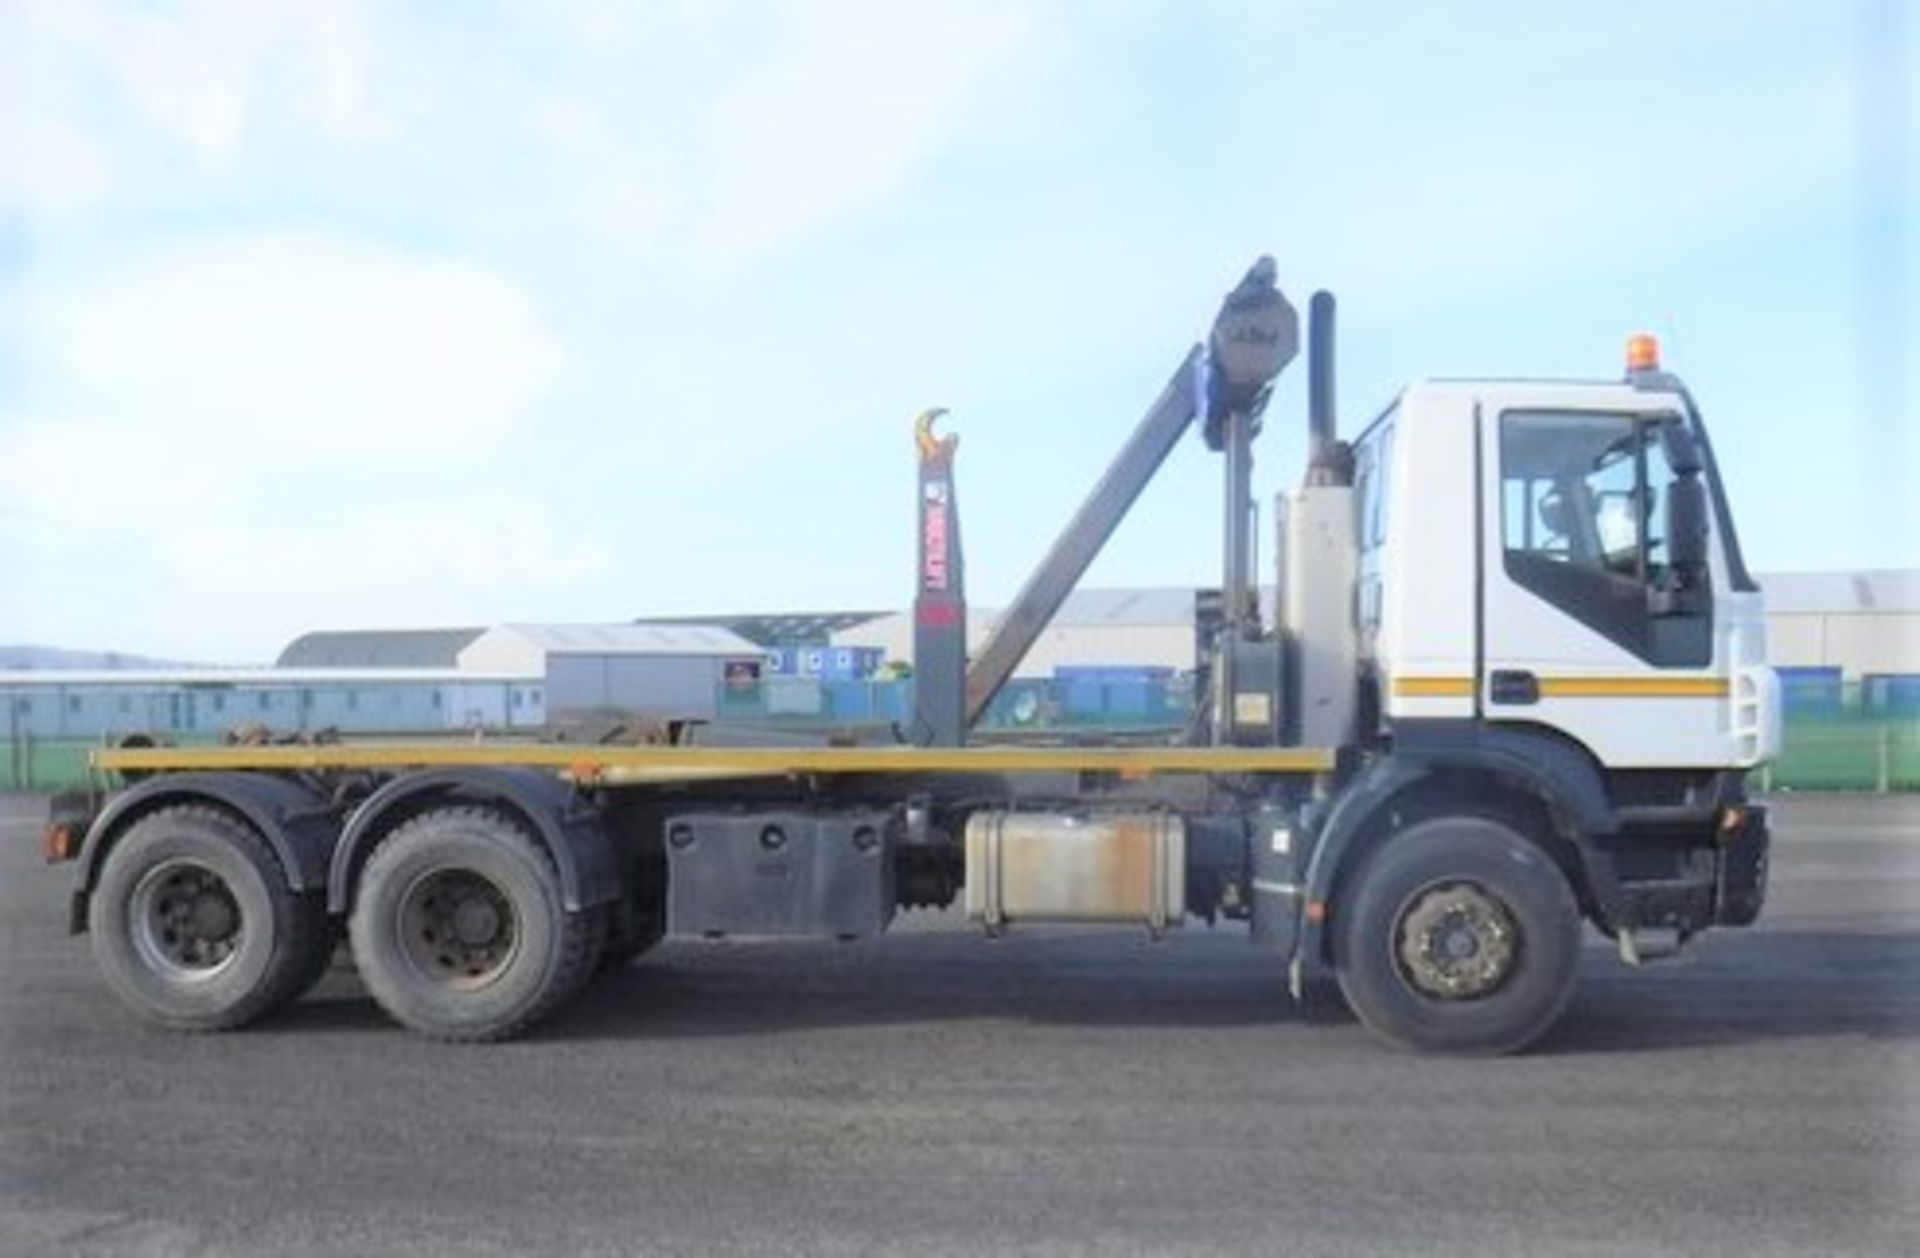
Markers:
<point>1689,882</point>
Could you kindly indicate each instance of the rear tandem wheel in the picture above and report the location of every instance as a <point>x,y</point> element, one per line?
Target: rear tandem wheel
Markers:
<point>459,929</point>
<point>194,926</point>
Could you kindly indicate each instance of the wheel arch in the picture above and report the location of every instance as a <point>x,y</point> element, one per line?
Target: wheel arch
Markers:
<point>565,824</point>
<point>1544,787</point>
<point>296,822</point>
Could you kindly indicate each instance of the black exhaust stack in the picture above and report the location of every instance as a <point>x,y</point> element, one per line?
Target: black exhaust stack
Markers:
<point>1329,460</point>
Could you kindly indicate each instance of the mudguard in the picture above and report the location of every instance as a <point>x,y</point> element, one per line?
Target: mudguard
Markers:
<point>568,826</point>
<point>295,821</point>
<point>1561,775</point>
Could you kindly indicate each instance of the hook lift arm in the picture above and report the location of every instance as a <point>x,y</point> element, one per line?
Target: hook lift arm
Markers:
<point>1255,336</point>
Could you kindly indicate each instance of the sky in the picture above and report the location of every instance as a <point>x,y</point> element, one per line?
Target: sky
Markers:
<point>356,314</point>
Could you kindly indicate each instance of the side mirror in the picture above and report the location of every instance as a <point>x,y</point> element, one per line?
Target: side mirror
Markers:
<point>1682,447</point>
<point>1687,525</point>
<point>1685,591</point>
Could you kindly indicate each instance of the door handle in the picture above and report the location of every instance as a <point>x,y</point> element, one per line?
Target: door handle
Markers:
<point>1513,685</point>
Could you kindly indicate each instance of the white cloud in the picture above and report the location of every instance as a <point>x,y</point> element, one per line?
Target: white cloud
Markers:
<point>841,116</point>
<point>289,422</point>
<point>405,559</point>
<point>51,164</point>
<point>193,75</point>
<point>682,135</point>
<point>348,407</point>
<point>315,346</point>
<point>234,591</point>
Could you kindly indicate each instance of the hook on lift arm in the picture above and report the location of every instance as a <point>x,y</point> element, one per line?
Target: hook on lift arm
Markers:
<point>933,450</point>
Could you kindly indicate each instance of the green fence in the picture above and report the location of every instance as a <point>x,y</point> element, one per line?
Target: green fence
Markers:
<point>1848,751</point>
<point>42,764</point>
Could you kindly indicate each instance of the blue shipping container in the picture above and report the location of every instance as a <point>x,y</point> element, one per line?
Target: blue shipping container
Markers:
<point>1113,692</point>
<point>1896,694</point>
<point>1810,690</point>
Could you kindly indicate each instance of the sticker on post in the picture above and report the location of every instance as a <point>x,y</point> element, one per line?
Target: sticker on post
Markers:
<point>1252,707</point>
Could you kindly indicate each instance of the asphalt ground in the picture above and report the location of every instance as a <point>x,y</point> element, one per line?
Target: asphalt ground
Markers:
<point>1055,1091</point>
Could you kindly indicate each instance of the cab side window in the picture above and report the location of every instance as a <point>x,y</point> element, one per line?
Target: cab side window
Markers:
<point>1582,528</point>
<point>1373,472</point>
<point>1573,492</point>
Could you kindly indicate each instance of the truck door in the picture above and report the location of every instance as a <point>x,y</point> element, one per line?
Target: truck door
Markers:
<point>1584,622</point>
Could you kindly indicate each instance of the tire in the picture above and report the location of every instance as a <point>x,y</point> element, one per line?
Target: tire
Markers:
<point>459,929</point>
<point>193,923</point>
<point>1459,936</point>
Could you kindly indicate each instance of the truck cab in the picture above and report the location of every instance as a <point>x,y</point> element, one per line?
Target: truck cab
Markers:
<point>1557,557</point>
<point>1560,654</point>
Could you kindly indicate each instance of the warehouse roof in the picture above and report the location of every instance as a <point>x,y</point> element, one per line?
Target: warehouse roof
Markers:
<point>377,648</point>
<point>1873,590</point>
<point>1153,605</point>
<point>675,639</point>
<point>193,678</point>
<point>777,629</point>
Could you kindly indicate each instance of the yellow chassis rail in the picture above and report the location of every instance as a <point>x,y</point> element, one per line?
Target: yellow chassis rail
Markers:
<point>616,765</point>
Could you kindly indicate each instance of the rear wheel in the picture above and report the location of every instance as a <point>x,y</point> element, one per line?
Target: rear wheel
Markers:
<point>194,925</point>
<point>459,929</point>
<point>1458,936</point>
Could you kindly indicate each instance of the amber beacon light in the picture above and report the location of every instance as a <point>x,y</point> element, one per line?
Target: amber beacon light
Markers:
<point>1643,353</point>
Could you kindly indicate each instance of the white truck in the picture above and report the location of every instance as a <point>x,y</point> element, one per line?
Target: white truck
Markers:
<point>1515,683</point>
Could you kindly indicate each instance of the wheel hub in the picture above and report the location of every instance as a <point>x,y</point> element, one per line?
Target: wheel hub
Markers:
<point>1456,942</point>
<point>475,922</point>
<point>186,922</point>
<point>457,928</point>
<point>213,916</point>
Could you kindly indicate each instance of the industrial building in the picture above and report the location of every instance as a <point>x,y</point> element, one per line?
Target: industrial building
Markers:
<point>626,670</point>
<point>1144,628</point>
<point>1865,624</point>
<point>396,681</point>
<point>107,704</point>
<point>378,648</point>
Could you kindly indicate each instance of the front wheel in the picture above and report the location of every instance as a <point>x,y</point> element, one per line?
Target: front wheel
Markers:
<point>1459,936</point>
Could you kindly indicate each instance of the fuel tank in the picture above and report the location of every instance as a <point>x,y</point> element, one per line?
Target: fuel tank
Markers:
<point>1072,867</point>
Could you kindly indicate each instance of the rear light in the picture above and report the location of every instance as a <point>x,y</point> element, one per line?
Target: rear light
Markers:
<point>59,842</point>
